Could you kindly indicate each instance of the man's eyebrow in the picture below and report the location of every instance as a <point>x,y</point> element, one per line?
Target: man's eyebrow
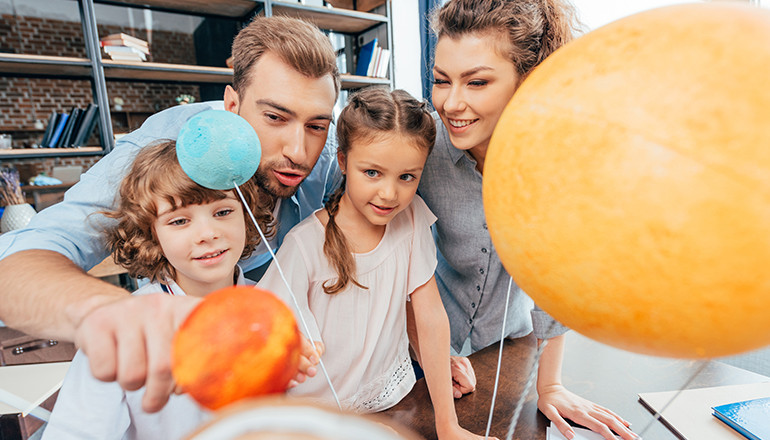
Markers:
<point>276,106</point>
<point>292,113</point>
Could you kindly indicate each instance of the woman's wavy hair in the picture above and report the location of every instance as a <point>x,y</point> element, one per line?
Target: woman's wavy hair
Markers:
<point>372,113</point>
<point>535,28</point>
<point>156,174</point>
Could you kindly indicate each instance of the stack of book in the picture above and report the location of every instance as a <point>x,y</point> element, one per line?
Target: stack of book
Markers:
<point>70,130</point>
<point>123,47</point>
<point>373,60</point>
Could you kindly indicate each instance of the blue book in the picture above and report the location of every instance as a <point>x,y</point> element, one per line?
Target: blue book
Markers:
<point>365,55</point>
<point>751,418</point>
<point>58,131</point>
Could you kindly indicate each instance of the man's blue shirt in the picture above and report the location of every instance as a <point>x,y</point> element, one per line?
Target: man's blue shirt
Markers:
<point>74,226</point>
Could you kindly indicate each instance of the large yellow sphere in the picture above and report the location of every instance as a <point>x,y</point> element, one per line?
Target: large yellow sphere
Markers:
<point>627,184</point>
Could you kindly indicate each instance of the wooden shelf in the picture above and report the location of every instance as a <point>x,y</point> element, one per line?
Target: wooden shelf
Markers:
<point>354,82</point>
<point>335,19</point>
<point>44,65</point>
<point>166,72</point>
<point>20,153</point>
<point>222,8</point>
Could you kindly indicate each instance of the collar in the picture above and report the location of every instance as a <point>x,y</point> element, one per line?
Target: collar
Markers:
<point>172,288</point>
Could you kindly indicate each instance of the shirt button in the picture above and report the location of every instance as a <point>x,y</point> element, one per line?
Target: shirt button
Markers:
<point>484,250</point>
<point>478,288</point>
<point>485,226</point>
<point>481,271</point>
<point>470,321</point>
<point>473,305</point>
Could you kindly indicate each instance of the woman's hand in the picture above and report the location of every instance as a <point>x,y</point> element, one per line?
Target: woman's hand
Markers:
<point>557,403</point>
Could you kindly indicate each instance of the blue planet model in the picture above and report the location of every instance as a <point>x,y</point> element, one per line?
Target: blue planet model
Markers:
<point>218,149</point>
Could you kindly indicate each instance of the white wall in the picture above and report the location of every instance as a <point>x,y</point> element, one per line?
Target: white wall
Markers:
<point>596,13</point>
<point>407,55</point>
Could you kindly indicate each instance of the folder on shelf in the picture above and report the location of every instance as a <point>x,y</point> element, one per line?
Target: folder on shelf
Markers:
<point>60,124</point>
<point>751,418</point>
<point>87,123</point>
<point>365,56</point>
<point>49,128</point>
<point>71,121</point>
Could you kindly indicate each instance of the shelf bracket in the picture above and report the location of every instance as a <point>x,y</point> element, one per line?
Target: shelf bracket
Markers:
<point>98,83</point>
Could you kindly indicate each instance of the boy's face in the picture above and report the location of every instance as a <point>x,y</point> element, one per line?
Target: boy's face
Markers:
<point>202,242</point>
<point>291,114</point>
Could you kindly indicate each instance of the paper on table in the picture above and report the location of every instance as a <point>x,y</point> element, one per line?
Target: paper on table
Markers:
<point>690,414</point>
<point>24,387</point>
<point>552,433</point>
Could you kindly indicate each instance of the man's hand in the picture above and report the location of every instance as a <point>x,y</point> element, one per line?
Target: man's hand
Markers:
<point>463,376</point>
<point>309,357</point>
<point>129,341</point>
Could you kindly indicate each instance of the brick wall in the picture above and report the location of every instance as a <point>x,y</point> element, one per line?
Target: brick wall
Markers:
<point>24,99</point>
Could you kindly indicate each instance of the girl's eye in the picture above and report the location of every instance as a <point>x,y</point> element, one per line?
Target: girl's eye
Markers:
<point>178,222</point>
<point>371,173</point>
<point>437,81</point>
<point>478,83</point>
<point>408,177</point>
<point>223,212</point>
<point>272,117</point>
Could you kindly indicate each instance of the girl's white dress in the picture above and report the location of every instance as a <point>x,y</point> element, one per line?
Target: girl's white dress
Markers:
<point>364,330</point>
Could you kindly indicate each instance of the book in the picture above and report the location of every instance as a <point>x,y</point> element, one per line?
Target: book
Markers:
<point>751,418</point>
<point>382,69</point>
<point>49,128</point>
<point>124,51</point>
<point>120,43</point>
<point>60,124</point>
<point>125,38</point>
<point>365,55</point>
<point>71,119</point>
<point>689,415</point>
<point>87,123</point>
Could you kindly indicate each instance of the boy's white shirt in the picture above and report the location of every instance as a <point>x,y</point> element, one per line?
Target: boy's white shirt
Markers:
<point>88,408</point>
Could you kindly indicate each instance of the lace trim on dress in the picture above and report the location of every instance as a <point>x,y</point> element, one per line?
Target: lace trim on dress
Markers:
<point>394,381</point>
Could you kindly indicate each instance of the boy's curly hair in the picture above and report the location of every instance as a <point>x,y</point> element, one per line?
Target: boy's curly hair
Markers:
<point>156,174</point>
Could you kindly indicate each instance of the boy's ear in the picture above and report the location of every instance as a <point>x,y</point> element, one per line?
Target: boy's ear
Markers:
<point>232,102</point>
<point>341,160</point>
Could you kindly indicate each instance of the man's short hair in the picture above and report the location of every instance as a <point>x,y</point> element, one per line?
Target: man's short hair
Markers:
<point>299,44</point>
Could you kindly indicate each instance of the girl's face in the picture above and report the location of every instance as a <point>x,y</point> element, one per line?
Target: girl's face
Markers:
<point>202,242</point>
<point>473,83</point>
<point>382,177</point>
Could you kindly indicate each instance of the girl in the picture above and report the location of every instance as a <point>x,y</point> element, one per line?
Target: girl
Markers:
<point>354,264</point>
<point>186,240</point>
<point>484,50</point>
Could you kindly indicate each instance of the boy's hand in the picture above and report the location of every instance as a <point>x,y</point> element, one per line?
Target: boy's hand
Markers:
<point>310,355</point>
<point>129,341</point>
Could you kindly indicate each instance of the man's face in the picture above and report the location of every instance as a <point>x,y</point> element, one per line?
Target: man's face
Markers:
<point>291,114</point>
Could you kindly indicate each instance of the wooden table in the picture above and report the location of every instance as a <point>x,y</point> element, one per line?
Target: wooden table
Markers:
<point>603,374</point>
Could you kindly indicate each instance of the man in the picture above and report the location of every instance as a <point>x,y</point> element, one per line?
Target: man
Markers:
<point>285,84</point>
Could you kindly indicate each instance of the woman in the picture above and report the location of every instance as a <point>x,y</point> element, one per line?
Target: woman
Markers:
<point>485,49</point>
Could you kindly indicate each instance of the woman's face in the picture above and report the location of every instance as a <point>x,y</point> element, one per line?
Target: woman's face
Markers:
<point>473,83</point>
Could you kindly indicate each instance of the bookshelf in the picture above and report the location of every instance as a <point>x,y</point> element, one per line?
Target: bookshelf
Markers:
<point>98,71</point>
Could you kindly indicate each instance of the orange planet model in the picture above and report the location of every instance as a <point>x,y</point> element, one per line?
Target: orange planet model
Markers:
<point>627,184</point>
<point>238,342</point>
